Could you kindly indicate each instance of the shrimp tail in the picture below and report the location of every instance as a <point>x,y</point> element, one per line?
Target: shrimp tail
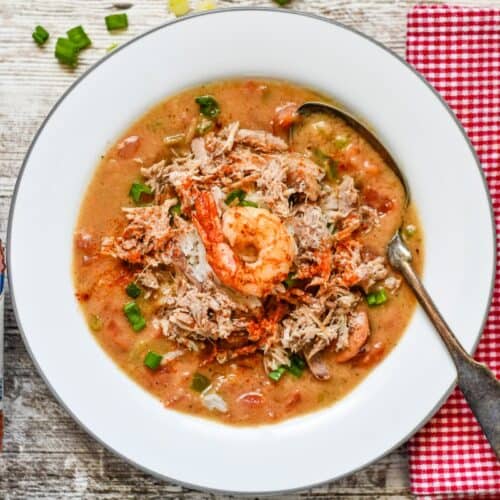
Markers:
<point>207,220</point>
<point>219,254</point>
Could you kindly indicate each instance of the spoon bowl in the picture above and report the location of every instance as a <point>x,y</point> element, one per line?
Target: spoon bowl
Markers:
<point>478,384</point>
<point>310,108</point>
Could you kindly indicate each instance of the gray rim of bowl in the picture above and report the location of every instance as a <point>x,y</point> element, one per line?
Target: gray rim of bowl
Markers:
<point>220,12</point>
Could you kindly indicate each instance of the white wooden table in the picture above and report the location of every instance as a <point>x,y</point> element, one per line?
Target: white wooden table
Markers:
<point>46,454</point>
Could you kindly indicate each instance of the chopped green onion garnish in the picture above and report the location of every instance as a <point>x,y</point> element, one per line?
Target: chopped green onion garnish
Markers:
<point>137,190</point>
<point>116,21</point>
<point>111,47</point>
<point>172,140</point>
<point>282,2</point>
<point>134,316</point>
<point>233,195</point>
<point>291,281</point>
<point>297,366</point>
<point>133,290</point>
<point>40,35</point>
<point>331,227</point>
<point>179,7</point>
<point>277,374</point>
<point>376,298</point>
<point>66,51</point>
<point>248,203</point>
<point>176,209</point>
<point>153,360</point>
<point>78,36</point>
<point>95,322</point>
<point>199,382</point>
<point>409,230</point>
<point>340,142</point>
<point>239,194</point>
<point>204,126</point>
<point>209,107</point>
<point>327,162</point>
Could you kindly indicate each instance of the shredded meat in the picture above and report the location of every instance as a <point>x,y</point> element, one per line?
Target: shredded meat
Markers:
<point>312,312</point>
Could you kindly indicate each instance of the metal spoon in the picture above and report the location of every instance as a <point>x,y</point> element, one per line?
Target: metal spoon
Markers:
<point>478,384</point>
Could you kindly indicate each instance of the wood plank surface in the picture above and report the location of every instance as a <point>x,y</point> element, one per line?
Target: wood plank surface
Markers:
<point>46,454</point>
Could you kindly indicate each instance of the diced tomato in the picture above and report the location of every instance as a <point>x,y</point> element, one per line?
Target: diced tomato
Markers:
<point>285,116</point>
<point>378,201</point>
<point>129,146</point>
<point>294,400</point>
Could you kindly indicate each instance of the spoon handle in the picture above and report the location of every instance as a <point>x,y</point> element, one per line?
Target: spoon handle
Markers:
<point>478,384</point>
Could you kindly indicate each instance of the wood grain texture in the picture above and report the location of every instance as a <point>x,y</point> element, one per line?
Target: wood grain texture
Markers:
<point>46,454</point>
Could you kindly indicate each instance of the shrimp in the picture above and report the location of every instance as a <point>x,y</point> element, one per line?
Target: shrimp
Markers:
<point>250,251</point>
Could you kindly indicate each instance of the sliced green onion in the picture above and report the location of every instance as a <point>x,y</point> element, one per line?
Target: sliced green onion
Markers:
<point>66,51</point>
<point>112,47</point>
<point>133,290</point>
<point>116,21</point>
<point>331,227</point>
<point>172,140</point>
<point>327,162</point>
<point>341,141</point>
<point>176,209</point>
<point>209,107</point>
<point>297,366</point>
<point>134,316</point>
<point>248,203</point>
<point>179,7</point>
<point>137,190</point>
<point>282,2</point>
<point>233,195</point>
<point>204,126</point>
<point>40,35</point>
<point>291,281</point>
<point>277,374</point>
<point>409,230</point>
<point>78,36</point>
<point>199,382</point>
<point>153,360</point>
<point>376,298</point>
<point>95,322</point>
<point>239,194</point>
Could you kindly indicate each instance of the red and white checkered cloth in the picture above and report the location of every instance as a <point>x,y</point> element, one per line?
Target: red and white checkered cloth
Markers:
<point>458,50</point>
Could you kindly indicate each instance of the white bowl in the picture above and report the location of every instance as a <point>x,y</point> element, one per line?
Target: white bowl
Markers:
<point>447,186</point>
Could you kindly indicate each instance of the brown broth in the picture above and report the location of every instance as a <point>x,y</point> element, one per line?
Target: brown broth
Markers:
<point>100,281</point>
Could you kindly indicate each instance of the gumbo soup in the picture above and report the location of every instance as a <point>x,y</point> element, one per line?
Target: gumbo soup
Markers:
<point>234,272</point>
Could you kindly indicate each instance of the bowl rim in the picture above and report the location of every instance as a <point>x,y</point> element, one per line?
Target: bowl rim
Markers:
<point>275,10</point>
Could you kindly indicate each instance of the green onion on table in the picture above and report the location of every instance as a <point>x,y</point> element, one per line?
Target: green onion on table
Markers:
<point>116,21</point>
<point>179,7</point>
<point>78,37</point>
<point>66,51</point>
<point>40,35</point>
